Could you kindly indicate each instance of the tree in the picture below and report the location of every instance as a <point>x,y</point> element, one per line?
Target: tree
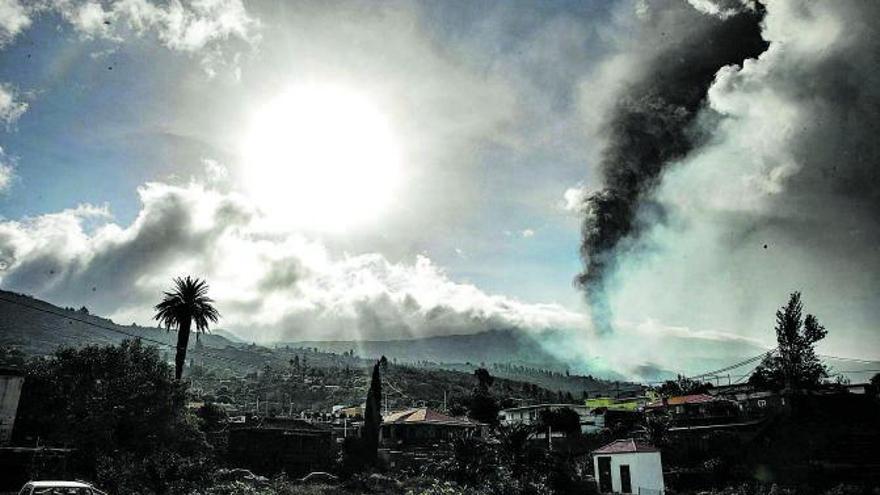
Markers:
<point>106,400</point>
<point>794,365</point>
<point>564,420</point>
<point>373,414</point>
<point>875,383</point>
<point>187,303</point>
<point>483,407</point>
<point>683,385</point>
<point>212,417</point>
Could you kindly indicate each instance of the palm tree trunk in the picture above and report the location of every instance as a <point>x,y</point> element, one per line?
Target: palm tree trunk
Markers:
<point>182,343</point>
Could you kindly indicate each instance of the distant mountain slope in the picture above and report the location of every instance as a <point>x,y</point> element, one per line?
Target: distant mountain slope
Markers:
<point>493,346</point>
<point>39,328</point>
<point>509,353</point>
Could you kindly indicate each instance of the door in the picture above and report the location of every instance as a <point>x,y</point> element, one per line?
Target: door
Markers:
<point>625,483</point>
<point>605,474</point>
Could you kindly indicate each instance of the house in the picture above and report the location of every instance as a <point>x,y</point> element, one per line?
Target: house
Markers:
<point>350,412</point>
<point>696,410</point>
<point>529,415</point>
<point>616,404</point>
<point>272,445</point>
<point>628,466</point>
<point>420,426</point>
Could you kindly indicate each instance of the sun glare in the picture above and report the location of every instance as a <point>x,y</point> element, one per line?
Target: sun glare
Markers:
<point>322,158</point>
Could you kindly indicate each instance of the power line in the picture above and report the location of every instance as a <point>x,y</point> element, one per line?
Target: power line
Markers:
<point>854,360</point>
<point>733,366</point>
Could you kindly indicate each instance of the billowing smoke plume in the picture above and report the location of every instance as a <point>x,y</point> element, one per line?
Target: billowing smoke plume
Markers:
<point>652,125</point>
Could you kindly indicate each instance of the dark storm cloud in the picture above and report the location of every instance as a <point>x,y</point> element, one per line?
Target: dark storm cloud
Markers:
<point>651,126</point>
<point>782,192</point>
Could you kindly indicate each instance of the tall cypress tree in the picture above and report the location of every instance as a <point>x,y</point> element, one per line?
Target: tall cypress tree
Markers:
<point>373,415</point>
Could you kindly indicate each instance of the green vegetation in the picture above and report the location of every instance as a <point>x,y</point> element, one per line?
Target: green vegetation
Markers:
<point>120,409</point>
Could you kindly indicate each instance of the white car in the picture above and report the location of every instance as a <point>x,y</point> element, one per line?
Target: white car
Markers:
<point>59,488</point>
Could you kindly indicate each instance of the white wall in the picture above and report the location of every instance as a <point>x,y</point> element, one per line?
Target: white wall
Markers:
<point>646,470</point>
<point>10,390</point>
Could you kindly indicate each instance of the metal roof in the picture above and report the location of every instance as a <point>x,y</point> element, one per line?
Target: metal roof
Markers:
<point>423,415</point>
<point>626,446</point>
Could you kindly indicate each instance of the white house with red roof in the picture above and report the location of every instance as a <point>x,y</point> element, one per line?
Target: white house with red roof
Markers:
<point>629,466</point>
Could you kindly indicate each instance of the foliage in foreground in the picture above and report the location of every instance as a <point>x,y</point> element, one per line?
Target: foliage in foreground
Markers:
<point>119,407</point>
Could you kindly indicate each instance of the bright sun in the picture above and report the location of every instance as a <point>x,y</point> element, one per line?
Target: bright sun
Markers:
<point>322,158</point>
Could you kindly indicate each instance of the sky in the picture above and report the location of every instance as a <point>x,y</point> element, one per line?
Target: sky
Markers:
<point>375,170</point>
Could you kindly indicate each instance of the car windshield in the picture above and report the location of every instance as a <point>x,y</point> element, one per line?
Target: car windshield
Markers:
<point>62,490</point>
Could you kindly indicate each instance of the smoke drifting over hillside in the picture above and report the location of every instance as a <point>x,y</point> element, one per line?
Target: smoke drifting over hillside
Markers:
<point>650,127</point>
<point>730,183</point>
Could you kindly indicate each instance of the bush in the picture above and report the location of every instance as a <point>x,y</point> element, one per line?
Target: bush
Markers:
<point>160,473</point>
<point>122,411</point>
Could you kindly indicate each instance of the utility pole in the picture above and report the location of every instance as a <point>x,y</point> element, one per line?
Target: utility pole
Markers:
<point>445,409</point>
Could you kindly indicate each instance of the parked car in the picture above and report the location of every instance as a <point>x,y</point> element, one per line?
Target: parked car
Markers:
<point>59,488</point>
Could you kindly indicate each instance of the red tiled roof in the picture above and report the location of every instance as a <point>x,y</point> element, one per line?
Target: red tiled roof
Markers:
<point>626,446</point>
<point>425,415</point>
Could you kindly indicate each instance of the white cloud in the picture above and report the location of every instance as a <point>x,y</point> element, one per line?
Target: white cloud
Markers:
<point>527,233</point>
<point>215,171</point>
<point>13,20</point>
<point>574,198</point>
<point>7,172</point>
<point>267,285</point>
<point>11,105</point>
<point>722,8</point>
<point>197,27</point>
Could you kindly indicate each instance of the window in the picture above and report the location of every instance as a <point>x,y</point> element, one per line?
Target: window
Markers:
<point>61,490</point>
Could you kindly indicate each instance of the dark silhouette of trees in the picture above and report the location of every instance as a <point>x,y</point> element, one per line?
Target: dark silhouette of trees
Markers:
<point>683,385</point>
<point>212,417</point>
<point>794,365</point>
<point>373,413</point>
<point>187,303</point>
<point>875,383</point>
<point>483,407</point>
<point>106,402</point>
<point>564,420</point>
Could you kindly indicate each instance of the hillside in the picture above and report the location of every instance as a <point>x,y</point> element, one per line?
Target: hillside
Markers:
<point>37,327</point>
<point>509,353</point>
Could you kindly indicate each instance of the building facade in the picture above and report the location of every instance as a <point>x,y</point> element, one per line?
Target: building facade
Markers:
<point>629,466</point>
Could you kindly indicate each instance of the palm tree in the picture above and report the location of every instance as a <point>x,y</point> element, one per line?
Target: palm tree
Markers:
<point>188,302</point>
